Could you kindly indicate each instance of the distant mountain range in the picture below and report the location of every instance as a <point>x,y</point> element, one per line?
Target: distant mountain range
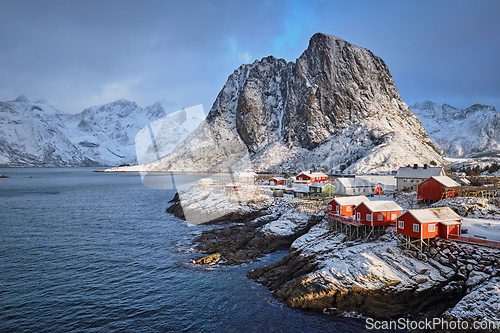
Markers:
<point>471,132</point>
<point>33,133</point>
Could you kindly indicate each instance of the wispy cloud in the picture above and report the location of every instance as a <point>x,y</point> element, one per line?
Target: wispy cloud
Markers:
<point>113,91</point>
<point>300,18</point>
<point>236,53</point>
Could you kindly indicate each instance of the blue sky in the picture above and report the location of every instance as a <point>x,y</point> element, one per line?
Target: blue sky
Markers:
<point>81,53</point>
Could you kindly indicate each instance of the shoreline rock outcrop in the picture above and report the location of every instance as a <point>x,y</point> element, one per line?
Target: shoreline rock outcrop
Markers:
<point>325,271</point>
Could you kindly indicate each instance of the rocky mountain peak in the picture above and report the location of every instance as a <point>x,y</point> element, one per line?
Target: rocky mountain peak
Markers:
<point>22,99</point>
<point>331,108</point>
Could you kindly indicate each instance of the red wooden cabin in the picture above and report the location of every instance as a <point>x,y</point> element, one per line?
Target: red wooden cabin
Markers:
<point>433,188</point>
<point>377,213</point>
<point>277,181</point>
<point>429,223</point>
<point>345,205</point>
<point>307,178</point>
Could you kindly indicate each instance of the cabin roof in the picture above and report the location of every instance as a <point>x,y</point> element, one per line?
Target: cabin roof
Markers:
<point>303,189</point>
<point>438,214</point>
<point>349,201</point>
<point>354,182</point>
<point>382,206</point>
<point>319,185</point>
<point>446,181</point>
<point>313,174</point>
<point>419,173</point>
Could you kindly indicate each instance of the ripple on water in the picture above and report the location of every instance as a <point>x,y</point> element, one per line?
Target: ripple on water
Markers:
<point>95,252</point>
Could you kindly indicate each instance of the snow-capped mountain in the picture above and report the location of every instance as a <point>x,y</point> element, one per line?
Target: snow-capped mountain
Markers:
<point>337,107</point>
<point>33,133</point>
<point>470,132</point>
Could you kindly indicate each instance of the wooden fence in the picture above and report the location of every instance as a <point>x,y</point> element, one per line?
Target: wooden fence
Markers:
<point>475,240</point>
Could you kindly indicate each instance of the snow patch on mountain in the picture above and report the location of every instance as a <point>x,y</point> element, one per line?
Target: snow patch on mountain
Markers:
<point>470,132</point>
<point>337,108</point>
<point>33,133</point>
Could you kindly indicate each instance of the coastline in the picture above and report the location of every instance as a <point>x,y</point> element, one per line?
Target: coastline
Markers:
<point>323,271</point>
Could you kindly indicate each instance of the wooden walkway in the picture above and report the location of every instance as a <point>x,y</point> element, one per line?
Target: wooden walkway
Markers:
<point>475,240</point>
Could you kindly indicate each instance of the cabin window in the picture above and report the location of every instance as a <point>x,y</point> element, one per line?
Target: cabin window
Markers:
<point>416,227</point>
<point>348,208</point>
<point>358,216</point>
<point>393,216</point>
<point>432,227</point>
<point>338,208</point>
<point>368,217</point>
<point>401,224</point>
<point>380,217</point>
<point>329,207</point>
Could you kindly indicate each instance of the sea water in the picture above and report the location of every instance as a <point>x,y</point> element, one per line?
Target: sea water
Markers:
<point>96,252</point>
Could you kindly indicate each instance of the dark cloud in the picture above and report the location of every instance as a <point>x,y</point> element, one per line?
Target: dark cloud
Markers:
<point>81,53</point>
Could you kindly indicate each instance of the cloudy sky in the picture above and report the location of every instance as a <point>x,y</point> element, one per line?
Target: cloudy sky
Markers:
<point>80,53</point>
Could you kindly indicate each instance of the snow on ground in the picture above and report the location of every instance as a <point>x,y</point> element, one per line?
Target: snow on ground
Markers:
<point>287,225</point>
<point>291,219</point>
<point>205,203</point>
<point>381,197</point>
<point>407,200</point>
<point>482,227</point>
<point>472,207</point>
<point>482,303</point>
<point>373,265</point>
<point>482,162</point>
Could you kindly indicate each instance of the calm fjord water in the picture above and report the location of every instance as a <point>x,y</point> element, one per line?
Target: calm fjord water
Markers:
<point>93,252</point>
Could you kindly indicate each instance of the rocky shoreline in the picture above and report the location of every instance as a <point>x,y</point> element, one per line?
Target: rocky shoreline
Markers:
<point>242,237</point>
<point>327,272</point>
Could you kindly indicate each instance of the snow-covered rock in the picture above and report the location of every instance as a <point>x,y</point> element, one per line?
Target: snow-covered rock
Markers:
<point>461,132</point>
<point>33,133</point>
<point>358,276</point>
<point>337,107</point>
<point>472,207</point>
<point>481,304</point>
<point>203,204</point>
<point>288,224</point>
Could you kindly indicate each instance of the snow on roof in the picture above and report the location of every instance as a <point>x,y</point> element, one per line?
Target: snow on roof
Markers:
<point>278,178</point>
<point>446,181</point>
<point>438,214</point>
<point>232,185</point>
<point>382,206</point>
<point>420,173</point>
<point>355,200</point>
<point>354,182</point>
<point>318,184</point>
<point>450,222</point>
<point>303,189</point>
<point>313,174</point>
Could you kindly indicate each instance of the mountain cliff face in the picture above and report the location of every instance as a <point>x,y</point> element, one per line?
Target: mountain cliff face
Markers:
<point>33,133</point>
<point>336,107</point>
<point>470,132</point>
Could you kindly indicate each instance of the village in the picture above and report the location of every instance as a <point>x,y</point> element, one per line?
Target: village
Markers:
<point>365,207</point>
